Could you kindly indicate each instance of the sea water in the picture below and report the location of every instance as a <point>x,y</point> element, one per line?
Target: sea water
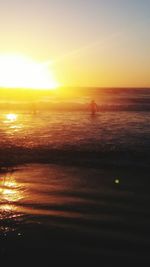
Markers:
<point>58,188</point>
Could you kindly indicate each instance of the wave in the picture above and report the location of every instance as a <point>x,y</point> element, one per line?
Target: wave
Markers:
<point>78,99</point>
<point>90,158</point>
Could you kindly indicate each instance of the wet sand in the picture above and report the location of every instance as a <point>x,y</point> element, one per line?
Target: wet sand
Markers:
<point>74,214</point>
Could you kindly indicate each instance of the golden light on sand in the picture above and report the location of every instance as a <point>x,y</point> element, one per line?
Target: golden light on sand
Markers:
<point>18,71</point>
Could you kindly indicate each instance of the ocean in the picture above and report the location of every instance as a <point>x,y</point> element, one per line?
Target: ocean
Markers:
<point>74,188</point>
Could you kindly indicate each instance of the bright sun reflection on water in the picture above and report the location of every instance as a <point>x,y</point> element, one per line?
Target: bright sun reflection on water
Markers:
<point>10,191</point>
<point>11,117</point>
<point>13,123</point>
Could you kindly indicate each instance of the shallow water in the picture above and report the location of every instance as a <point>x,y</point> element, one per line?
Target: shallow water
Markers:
<point>83,210</point>
<point>80,130</point>
<point>72,183</point>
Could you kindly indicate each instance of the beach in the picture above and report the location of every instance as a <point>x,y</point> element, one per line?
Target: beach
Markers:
<point>73,212</point>
<point>75,188</point>
<point>75,133</point>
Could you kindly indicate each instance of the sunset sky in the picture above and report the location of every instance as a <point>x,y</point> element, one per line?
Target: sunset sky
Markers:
<point>84,42</point>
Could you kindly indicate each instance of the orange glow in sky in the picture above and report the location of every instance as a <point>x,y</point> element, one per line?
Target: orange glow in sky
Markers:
<point>91,43</point>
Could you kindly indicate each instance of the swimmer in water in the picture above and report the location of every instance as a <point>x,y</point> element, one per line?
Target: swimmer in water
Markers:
<point>93,107</point>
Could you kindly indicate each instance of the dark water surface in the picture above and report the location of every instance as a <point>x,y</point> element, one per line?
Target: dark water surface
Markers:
<point>57,210</point>
<point>75,188</point>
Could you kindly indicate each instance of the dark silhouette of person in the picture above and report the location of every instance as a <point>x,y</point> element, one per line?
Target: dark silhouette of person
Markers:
<point>93,107</point>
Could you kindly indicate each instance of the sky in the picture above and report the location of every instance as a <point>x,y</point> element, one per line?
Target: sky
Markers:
<point>86,42</point>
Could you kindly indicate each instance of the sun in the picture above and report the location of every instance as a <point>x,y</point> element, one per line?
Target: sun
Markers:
<point>18,71</point>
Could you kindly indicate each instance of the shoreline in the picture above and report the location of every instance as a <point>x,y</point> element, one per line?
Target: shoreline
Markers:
<point>85,215</point>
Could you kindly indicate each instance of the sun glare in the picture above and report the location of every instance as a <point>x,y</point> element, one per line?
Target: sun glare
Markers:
<point>11,117</point>
<point>17,71</point>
